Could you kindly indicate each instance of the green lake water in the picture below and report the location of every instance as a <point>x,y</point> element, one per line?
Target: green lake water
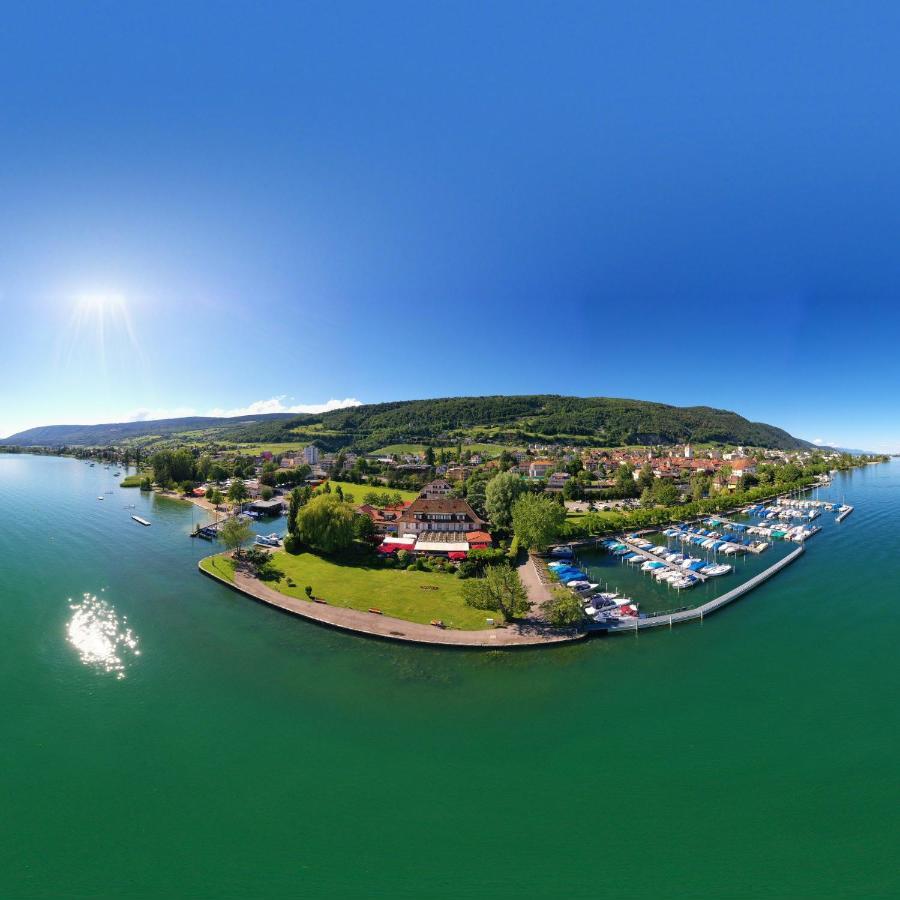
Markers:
<point>166,737</point>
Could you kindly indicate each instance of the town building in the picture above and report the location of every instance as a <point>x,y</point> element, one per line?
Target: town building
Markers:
<point>384,520</point>
<point>311,454</point>
<point>436,489</point>
<point>438,515</point>
<point>540,467</point>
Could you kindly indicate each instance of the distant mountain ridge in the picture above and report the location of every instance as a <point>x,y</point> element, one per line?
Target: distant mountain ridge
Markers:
<point>538,418</point>
<point>112,433</point>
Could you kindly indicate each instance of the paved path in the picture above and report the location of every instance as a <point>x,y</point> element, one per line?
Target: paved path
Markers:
<point>537,590</point>
<point>522,634</point>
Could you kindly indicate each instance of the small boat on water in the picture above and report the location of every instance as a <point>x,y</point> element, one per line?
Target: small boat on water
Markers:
<point>563,551</point>
<point>268,540</point>
<point>100,498</point>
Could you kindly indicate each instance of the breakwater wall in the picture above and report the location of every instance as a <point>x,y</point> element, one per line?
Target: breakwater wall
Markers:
<point>699,612</point>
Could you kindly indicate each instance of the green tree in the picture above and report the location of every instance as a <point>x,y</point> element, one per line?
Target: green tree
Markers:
<point>326,524</point>
<point>429,455</point>
<point>476,485</point>
<point>237,491</point>
<point>215,496</point>
<point>500,590</point>
<point>235,533</point>
<point>204,464</point>
<point>572,490</point>
<point>537,521</point>
<point>266,493</point>
<point>563,608</point>
<point>217,473</point>
<point>500,493</point>
<point>363,527</point>
<point>664,492</point>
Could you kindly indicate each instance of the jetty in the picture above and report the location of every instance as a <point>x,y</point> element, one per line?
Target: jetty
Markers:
<point>210,527</point>
<point>687,615</point>
<point>843,514</point>
<point>656,558</point>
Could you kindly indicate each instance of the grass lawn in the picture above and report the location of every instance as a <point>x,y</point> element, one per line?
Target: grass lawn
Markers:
<point>396,592</point>
<point>399,449</point>
<point>136,479</point>
<point>360,490</point>
<point>256,449</point>
<point>223,566</point>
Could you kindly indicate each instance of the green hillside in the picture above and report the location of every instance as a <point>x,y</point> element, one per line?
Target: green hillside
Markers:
<point>599,421</point>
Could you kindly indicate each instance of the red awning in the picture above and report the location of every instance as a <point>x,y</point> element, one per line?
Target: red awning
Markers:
<point>457,554</point>
<point>383,549</point>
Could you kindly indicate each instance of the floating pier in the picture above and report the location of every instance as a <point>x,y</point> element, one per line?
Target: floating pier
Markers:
<point>655,558</point>
<point>699,612</point>
<point>843,514</point>
<point>140,521</point>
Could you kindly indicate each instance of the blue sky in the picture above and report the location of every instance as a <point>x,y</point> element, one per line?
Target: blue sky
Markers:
<point>232,206</point>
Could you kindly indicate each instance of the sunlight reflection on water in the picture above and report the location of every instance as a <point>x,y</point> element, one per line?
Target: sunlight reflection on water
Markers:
<point>100,637</point>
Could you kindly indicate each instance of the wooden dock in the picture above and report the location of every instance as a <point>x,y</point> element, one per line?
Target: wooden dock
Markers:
<point>687,615</point>
<point>214,526</point>
<point>652,556</point>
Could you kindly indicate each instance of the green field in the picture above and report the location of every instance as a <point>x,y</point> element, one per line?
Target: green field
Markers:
<point>396,592</point>
<point>360,490</point>
<point>136,479</point>
<point>223,566</point>
<point>256,449</point>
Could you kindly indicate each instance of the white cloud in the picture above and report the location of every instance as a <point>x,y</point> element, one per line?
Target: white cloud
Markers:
<point>818,441</point>
<point>278,405</point>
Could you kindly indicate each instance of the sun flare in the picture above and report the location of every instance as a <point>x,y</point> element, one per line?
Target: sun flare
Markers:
<point>100,302</point>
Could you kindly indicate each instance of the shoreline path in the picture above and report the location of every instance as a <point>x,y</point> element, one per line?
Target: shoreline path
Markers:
<point>530,632</point>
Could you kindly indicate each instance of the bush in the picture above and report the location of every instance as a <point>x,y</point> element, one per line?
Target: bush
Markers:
<point>411,567</point>
<point>563,608</point>
<point>389,562</point>
<point>293,544</point>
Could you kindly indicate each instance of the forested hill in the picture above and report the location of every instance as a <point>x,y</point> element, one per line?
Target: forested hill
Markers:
<point>599,421</point>
<point>581,420</point>
<point>123,432</point>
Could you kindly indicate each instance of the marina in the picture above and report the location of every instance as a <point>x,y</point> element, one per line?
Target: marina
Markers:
<point>621,577</point>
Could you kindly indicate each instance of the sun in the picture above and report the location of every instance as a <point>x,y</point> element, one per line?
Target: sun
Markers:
<point>100,303</point>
